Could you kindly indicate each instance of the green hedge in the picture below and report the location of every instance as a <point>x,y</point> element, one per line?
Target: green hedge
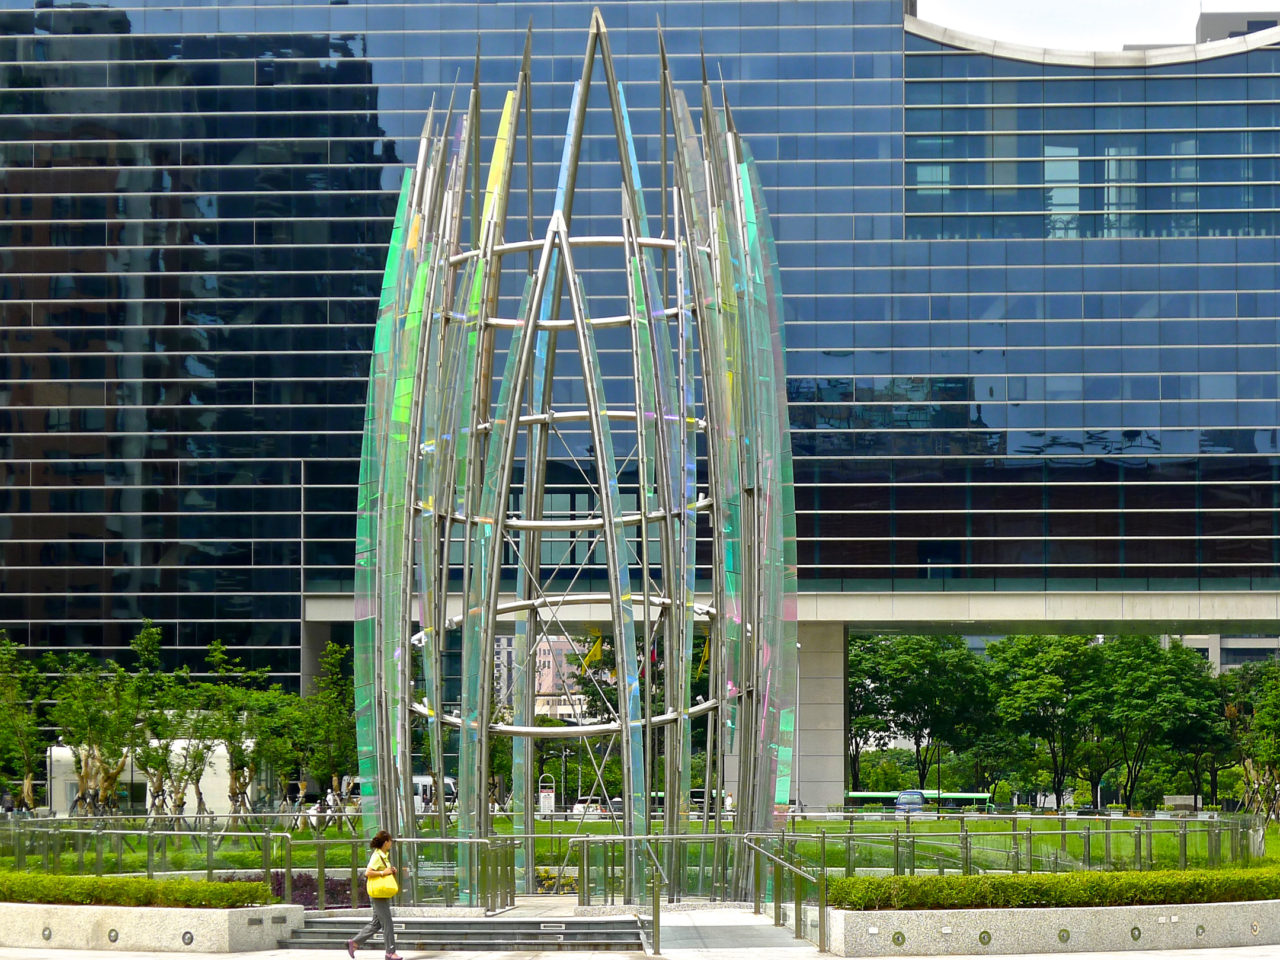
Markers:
<point>129,891</point>
<point>1085,889</point>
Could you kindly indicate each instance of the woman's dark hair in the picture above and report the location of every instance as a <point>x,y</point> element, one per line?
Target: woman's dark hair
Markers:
<point>379,839</point>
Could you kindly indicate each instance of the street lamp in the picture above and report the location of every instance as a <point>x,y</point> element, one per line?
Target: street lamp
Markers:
<point>564,799</point>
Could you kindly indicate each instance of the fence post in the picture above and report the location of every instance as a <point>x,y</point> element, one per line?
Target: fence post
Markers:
<point>822,897</point>
<point>584,876</point>
<point>208,849</point>
<point>966,854</point>
<point>151,853</point>
<point>798,895</point>
<point>657,911</point>
<point>1137,847</point>
<point>1031,859</point>
<point>19,846</point>
<point>288,868</point>
<point>320,877</point>
<point>1151,862</point>
<point>1017,852</point>
<point>1182,844</point>
<point>1106,846</point>
<point>758,882</point>
<point>897,860</point>
<point>1088,848</point>
<point>911,855</point>
<point>777,893</point>
<point>266,851</point>
<point>98,840</point>
<point>355,875</point>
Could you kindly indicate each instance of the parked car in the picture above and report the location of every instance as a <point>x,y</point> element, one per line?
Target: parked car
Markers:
<point>909,802</point>
<point>588,807</point>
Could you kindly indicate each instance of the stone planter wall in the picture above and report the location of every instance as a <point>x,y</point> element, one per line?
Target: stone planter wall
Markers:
<point>68,927</point>
<point>889,933</point>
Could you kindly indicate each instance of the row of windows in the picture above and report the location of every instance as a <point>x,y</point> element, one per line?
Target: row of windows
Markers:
<point>1239,223</point>
<point>925,86</point>
<point>1192,147</point>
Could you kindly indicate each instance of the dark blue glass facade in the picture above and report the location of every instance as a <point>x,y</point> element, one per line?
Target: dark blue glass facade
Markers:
<point>1031,309</point>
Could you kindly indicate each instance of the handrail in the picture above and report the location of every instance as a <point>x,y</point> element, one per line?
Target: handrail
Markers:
<point>779,865</point>
<point>776,859</point>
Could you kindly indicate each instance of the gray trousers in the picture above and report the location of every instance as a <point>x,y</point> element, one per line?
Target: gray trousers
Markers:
<point>381,921</point>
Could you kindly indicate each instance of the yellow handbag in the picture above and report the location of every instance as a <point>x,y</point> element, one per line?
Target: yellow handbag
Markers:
<point>383,887</point>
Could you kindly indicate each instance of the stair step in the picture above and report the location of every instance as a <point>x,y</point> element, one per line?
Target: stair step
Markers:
<point>494,945</point>
<point>493,933</point>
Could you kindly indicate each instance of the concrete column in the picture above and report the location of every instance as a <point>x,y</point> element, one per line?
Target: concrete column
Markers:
<point>820,739</point>
<point>315,634</point>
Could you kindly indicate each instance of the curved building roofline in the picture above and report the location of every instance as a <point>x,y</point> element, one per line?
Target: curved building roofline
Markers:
<point>1154,56</point>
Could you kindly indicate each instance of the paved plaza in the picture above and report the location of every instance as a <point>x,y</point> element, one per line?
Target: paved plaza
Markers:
<point>695,935</point>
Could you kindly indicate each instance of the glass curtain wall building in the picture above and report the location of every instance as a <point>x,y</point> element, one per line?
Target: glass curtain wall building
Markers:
<point>1031,299</point>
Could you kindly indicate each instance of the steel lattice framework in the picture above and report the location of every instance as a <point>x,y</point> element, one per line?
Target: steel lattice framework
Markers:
<point>644,366</point>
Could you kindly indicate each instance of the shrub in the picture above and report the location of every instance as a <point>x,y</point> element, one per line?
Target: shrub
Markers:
<point>129,891</point>
<point>1085,889</point>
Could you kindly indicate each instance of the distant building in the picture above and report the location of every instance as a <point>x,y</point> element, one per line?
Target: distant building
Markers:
<point>1220,19</point>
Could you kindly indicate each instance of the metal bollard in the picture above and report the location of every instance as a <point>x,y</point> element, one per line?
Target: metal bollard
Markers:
<point>1182,845</point>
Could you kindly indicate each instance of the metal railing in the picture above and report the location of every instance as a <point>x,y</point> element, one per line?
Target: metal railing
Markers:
<point>446,871</point>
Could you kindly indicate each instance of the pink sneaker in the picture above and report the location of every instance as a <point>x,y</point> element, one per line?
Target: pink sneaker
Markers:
<point>351,949</point>
<point>392,955</point>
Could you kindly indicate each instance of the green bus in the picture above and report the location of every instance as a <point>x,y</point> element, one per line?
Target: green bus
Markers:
<point>856,799</point>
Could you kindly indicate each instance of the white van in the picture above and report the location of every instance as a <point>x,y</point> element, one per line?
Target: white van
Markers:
<point>423,792</point>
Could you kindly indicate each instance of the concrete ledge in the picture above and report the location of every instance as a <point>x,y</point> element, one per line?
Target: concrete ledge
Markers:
<point>178,929</point>
<point>888,933</point>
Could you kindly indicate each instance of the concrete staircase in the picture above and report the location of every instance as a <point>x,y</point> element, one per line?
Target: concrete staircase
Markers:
<point>479,933</point>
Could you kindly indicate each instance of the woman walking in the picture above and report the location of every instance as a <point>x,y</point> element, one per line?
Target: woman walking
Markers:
<point>380,879</point>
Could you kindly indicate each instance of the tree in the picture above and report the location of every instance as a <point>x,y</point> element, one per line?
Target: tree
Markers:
<point>255,722</point>
<point>96,712</point>
<point>932,685</point>
<point>1040,682</point>
<point>328,720</point>
<point>1147,689</point>
<point>23,690</point>
<point>864,697</point>
<point>1255,715</point>
<point>1199,739</point>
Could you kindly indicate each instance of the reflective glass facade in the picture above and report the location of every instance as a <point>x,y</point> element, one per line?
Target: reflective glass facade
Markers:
<point>1031,309</point>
